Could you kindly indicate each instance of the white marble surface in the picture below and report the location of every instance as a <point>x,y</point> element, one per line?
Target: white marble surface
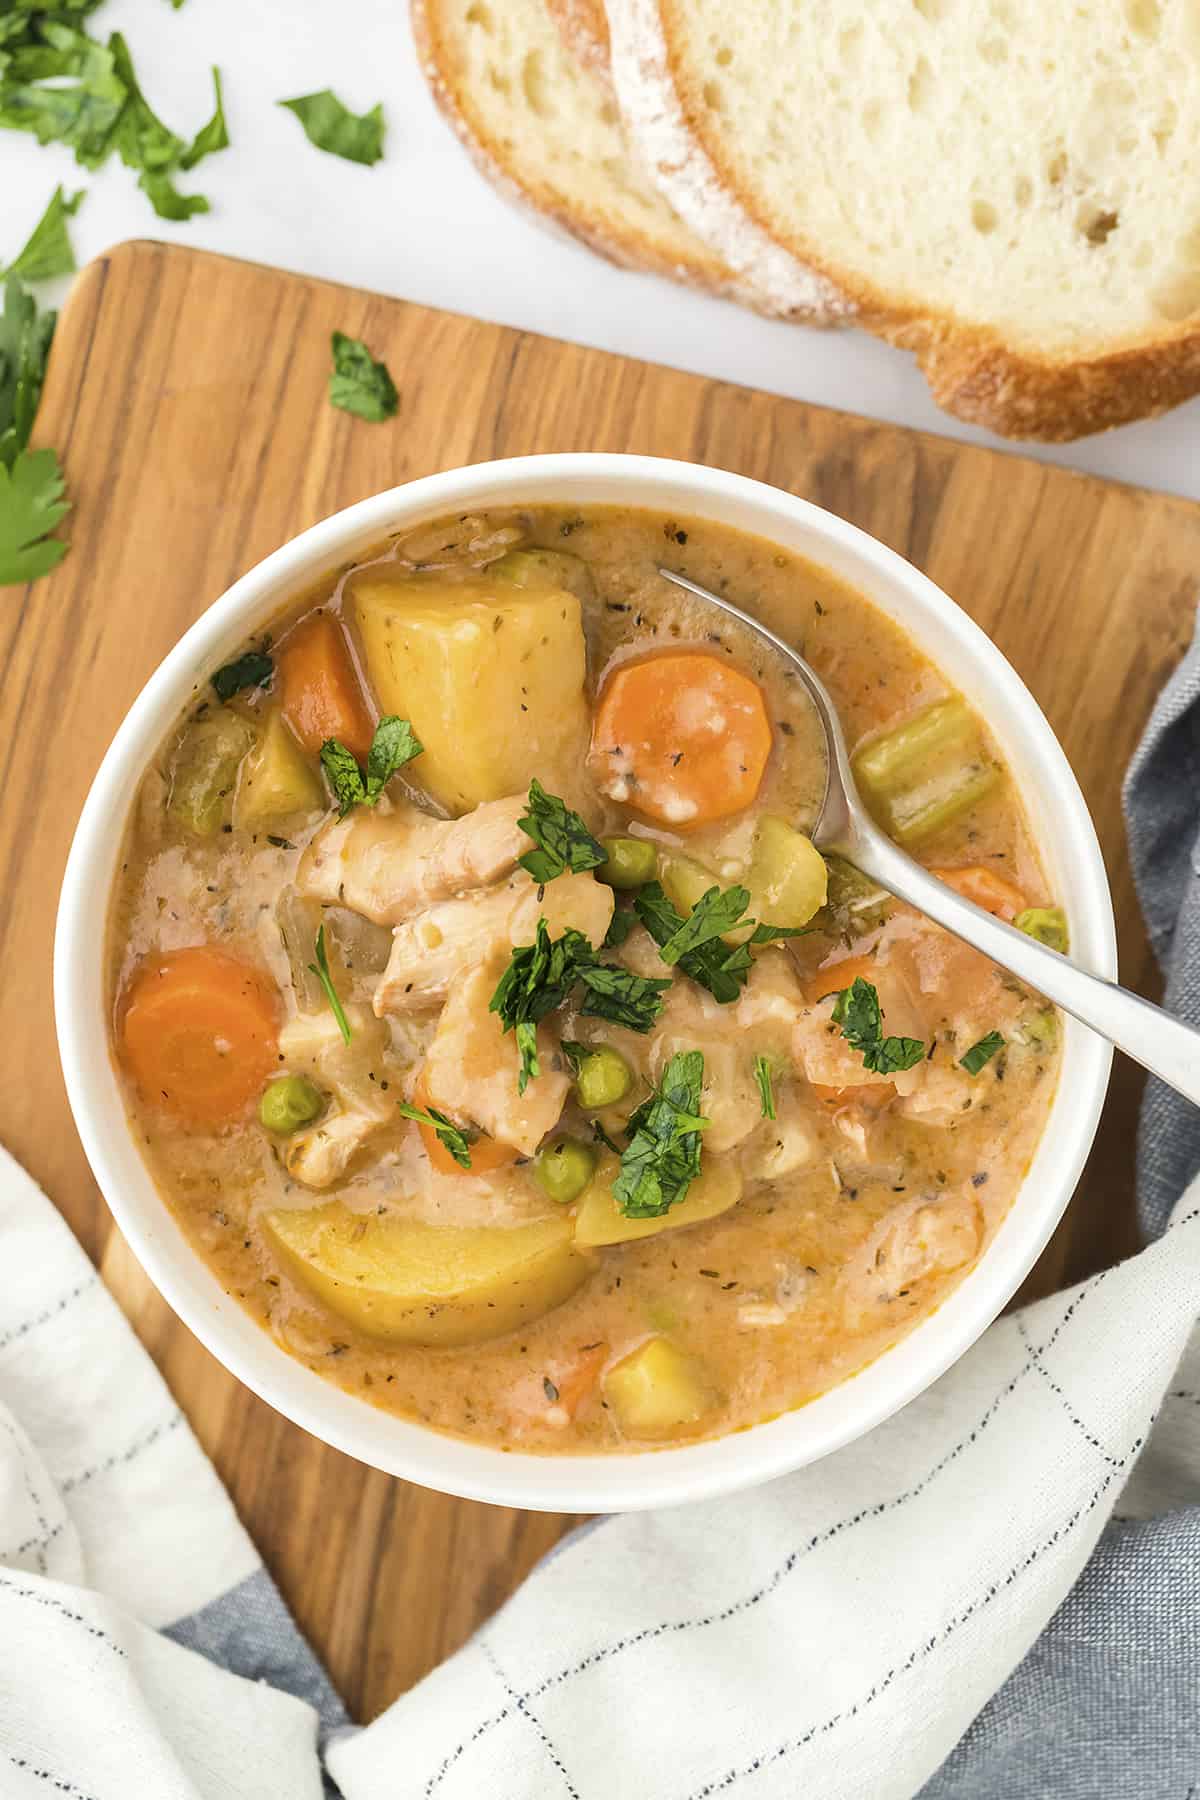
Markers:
<point>422,224</point>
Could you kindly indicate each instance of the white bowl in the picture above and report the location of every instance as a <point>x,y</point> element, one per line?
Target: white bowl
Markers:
<point>1062,828</point>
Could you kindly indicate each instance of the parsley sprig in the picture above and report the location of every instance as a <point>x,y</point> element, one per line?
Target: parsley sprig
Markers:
<point>320,969</point>
<point>358,383</point>
<point>563,842</point>
<point>452,1136</point>
<point>663,1154</point>
<point>858,1012</point>
<point>253,668</point>
<point>980,1054</point>
<point>540,978</point>
<point>697,944</point>
<point>394,744</point>
<point>330,126</point>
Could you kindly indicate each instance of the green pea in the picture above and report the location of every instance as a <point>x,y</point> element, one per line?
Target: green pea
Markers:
<point>289,1102</point>
<point>602,1078</point>
<point>1048,924</point>
<point>632,862</point>
<point>563,1169</point>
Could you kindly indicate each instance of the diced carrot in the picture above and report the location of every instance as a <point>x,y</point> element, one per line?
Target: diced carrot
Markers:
<point>871,1096</point>
<point>199,1031</point>
<point>995,893</point>
<point>579,1378</point>
<point>320,692</point>
<point>681,737</point>
<point>487,1153</point>
<point>835,976</point>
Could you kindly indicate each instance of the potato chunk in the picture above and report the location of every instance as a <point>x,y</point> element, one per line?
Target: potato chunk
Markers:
<point>276,779</point>
<point>490,674</point>
<point>599,1220</point>
<point>787,878</point>
<point>658,1391</point>
<point>428,1284</point>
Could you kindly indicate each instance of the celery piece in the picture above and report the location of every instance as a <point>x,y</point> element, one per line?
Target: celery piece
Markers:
<point>546,569</point>
<point>1048,924</point>
<point>921,776</point>
<point>204,770</point>
<point>787,877</point>
<point>1040,1029</point>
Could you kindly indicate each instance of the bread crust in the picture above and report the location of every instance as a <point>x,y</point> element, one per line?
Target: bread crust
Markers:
<point>584,28</point>
<point>630,248</point>
<point>972,371</point>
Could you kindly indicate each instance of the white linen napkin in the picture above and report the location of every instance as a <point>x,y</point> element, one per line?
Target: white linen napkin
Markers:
<point>832,1634</point>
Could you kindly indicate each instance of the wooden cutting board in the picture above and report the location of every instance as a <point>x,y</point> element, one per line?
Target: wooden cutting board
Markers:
<point>186,395</point>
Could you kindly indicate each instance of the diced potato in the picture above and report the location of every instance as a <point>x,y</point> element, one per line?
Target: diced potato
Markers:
<point>490,674</point>
<point>204,770</point>
<point>277,779</point>
<point>684,880</point>
<point>546,568</point>
<point>921,776</point>
<point>658,1391</point>
<point>428,1284</point>
<point>599,1220</point>
<point>787,877</point>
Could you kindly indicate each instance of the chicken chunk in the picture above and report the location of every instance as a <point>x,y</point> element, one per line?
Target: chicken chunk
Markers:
<point>826,1058</point>
<point>388,865</point>
<point>916,1240</point>
<point>312,1044</point>
<point>430,950</point>
<point>472,1066</point>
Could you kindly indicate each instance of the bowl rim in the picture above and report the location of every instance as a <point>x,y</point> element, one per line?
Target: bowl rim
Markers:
<point>617,1481</point>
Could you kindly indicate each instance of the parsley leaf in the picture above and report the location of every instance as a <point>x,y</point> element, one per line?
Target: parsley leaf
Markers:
<point>663,1155</point>
<point>766,1092</point>
<point>981,1053</point>
<point>48,250</point>
<point>333,127</point>
<point>253,669</point>
<point>211,137</point>
<point>714,914</point>
<point>619,928</point>
<point>320,969</point>
<point>634,1001</point>
<point>857,1011</point>
<point>359,384</point>
<point>31,505</point>
<point>541,975</point>
<point>144,143</point>
<point>394,744</point>
<point>451,1135</point>
<point>716,967</point>
<point>25,335</point>
<point>563,840</point>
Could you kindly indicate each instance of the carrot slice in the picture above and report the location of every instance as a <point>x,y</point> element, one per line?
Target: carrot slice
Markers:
<point>487,1153</point>
<point>578,1379</point>
<point>199,1032</point>
<point>681,737</point>
<point>995,893</point>
<point>836,976</point>
<point>320,693</point>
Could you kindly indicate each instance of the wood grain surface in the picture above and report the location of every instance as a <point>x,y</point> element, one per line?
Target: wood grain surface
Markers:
<point>186,395</point>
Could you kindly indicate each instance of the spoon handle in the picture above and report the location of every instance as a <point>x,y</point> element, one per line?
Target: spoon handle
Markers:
<point>1144,1031</point>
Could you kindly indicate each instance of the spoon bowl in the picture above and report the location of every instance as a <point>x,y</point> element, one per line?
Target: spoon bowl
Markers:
<point>1160,1043</point>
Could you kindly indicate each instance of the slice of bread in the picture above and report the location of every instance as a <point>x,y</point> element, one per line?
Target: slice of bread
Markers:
<point>545,128</point>
<point>1008,188</point>
<point>584,26</point>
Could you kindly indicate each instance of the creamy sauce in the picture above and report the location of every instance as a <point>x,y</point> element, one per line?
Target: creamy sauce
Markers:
<point>854,1221</point>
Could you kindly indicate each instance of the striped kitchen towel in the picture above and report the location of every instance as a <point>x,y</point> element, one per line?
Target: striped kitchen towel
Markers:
<point>995,1594</point>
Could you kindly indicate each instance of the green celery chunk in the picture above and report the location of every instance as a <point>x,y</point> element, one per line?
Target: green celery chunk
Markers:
<point>546,569</point>
<point>1048,924</point>
<point>204,771</point>
<point>924,774</point>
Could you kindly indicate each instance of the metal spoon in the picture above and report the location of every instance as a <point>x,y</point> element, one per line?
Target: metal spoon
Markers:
<point>1151,1036</point>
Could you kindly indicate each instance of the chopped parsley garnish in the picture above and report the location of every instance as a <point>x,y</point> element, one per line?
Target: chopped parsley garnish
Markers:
<point>320,969</point>
<point>714,914</point>
<point>697,944</point>
<point>982,1052</point>
<point>25,335</point>
<point>563,841</point>
<point>766,1091</point>
<point>540,977</point>
<point>394,744</point>
<point>450,1135</point>
<point>619,928</point>
<point>358,384</point>
<point>31,505</point>
<point>601,1136</point>
<point>857,1011</point>
<point>48,252</point>
<point>254,669</point>
<point>211,137</point>
<point>330,126</point>
<point>663,1156</point>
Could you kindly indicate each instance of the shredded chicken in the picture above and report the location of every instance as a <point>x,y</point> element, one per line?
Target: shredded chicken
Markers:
<point>312,1044</point>
<point>914,1240</point>
<point>430,950</point>
<point>389,864</point>
<point>472,1066</point>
